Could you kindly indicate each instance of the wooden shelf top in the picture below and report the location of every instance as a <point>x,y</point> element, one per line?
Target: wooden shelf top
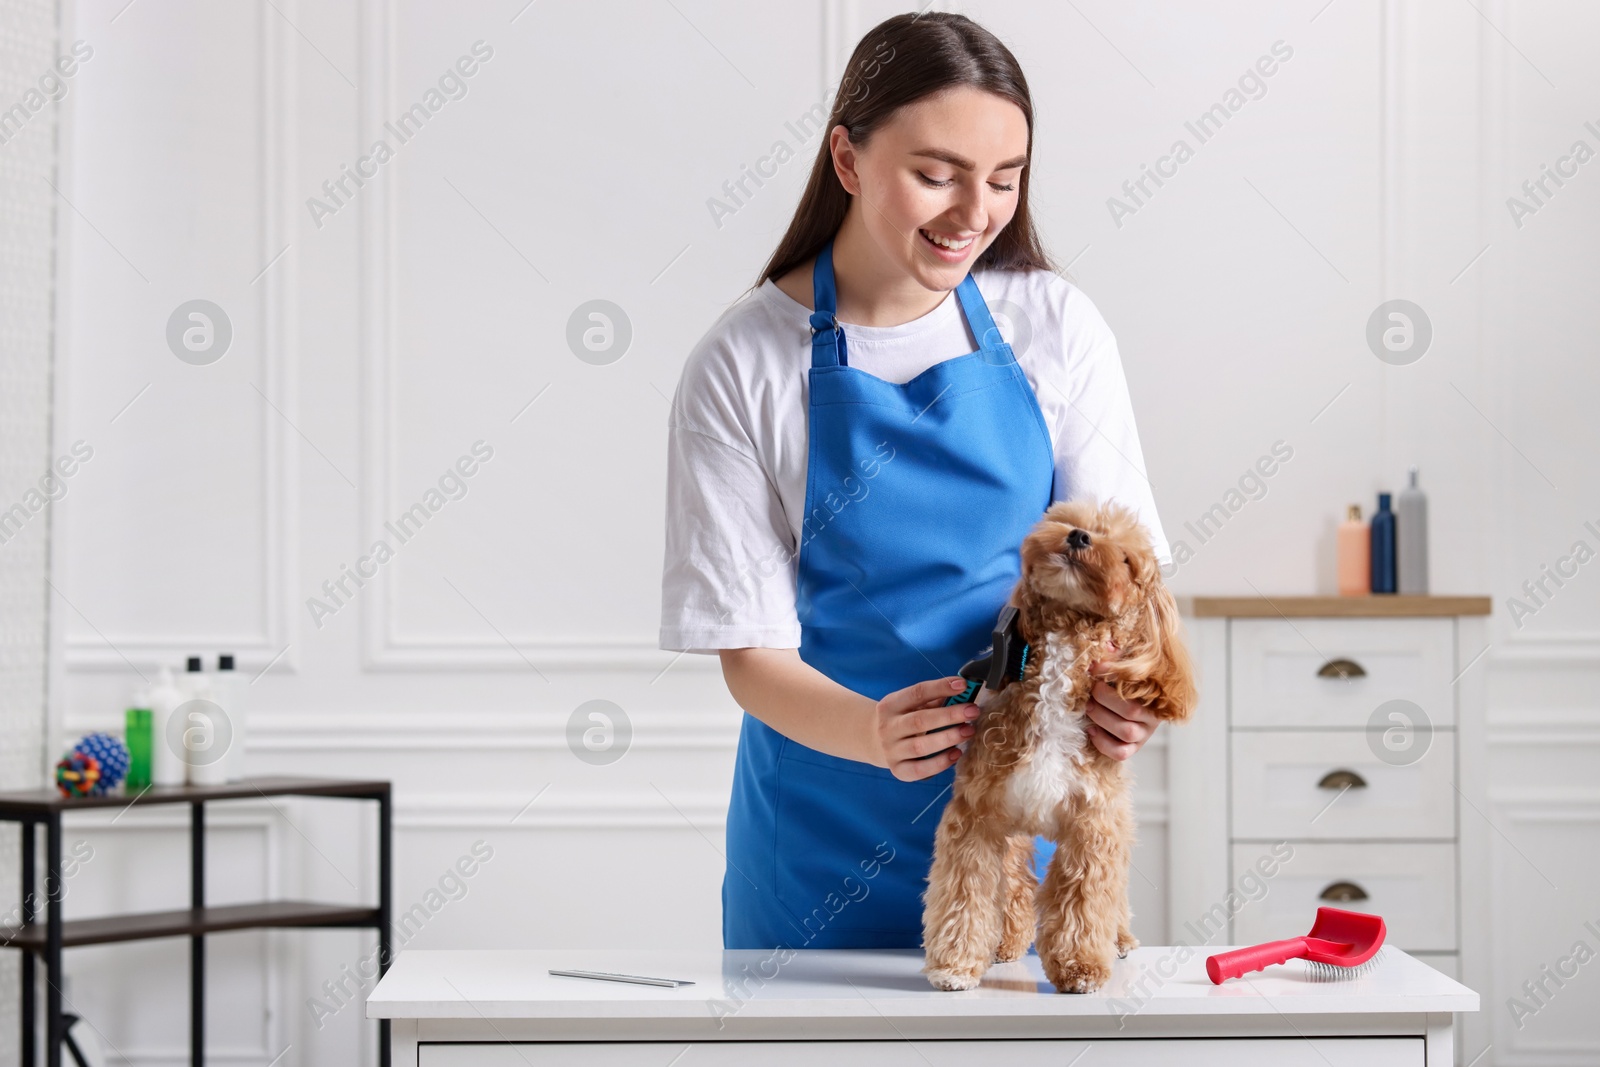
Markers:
<point>43,801</point>
<point>186,922</point>
<point>1379,605</point>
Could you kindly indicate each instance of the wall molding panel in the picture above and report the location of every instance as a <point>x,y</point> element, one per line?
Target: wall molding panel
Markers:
<point>1576,646</point>
<point>473,732</point>
<point>558,809</point>
<point>1564,808</point>
<point>383,647</point>
<point>277,108</point>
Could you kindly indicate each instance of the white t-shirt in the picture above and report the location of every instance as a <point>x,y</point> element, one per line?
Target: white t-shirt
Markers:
<point>737,444</point>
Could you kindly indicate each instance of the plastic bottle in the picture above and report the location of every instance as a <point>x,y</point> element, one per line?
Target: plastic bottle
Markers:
<point>1355,555</point>
<point>1411,538</point>
<point>166,763</point>
<point>228,694</point>
<point>195,685</point>
<point>1383,547</point>
<point>136,735</point>
<point>202,733</point>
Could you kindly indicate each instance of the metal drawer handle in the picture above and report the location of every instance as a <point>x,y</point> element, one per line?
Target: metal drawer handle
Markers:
<point>1341,668</point>
<point>1343,893</point>
<point>1342,780</point>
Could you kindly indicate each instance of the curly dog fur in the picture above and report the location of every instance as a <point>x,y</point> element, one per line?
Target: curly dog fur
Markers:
<point>1031,769</point>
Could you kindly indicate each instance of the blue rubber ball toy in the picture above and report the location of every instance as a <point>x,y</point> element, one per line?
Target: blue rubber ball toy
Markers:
<point>112,756</point>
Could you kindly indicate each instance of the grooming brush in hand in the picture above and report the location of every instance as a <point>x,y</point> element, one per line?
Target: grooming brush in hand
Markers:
<point>1341,944</point>
<point>1004,659</point>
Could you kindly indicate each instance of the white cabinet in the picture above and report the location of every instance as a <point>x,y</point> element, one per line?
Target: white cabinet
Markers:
<point>1336,759</point>
<point>1279,1052</point>
<point>873,1008</point>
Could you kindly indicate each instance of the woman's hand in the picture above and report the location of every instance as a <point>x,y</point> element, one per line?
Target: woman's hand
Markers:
<point>904,720</point>
<point>1118,727</point>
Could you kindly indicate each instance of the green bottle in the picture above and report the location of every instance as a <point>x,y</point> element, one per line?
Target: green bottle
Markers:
<point>137,736</point>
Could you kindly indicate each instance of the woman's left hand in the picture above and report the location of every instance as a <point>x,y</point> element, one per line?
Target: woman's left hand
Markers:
<point>1118,727</point>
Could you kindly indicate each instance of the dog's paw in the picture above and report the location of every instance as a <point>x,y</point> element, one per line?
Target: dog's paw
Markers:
<point>1076,976</point>
<point>950,980</point>
<point>1013,946</point>
<point>1126,943</point>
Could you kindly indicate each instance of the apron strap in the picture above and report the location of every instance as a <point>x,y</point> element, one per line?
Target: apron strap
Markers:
<point>981,322</point>
<point>827,337</point>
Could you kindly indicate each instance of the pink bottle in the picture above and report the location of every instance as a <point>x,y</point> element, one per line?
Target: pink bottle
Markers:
<point>1355,555</point>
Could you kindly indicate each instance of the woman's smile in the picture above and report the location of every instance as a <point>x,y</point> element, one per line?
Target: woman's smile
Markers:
<point>947,247</point>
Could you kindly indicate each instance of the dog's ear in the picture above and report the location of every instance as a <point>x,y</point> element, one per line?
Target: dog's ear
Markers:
<point>1175,670</point>
<point>1157,671</point>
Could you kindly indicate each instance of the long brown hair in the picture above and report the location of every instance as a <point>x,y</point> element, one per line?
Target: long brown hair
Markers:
<point>900,61</point>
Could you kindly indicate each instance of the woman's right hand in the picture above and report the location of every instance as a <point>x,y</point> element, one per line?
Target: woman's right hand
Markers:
<point>906,717</point>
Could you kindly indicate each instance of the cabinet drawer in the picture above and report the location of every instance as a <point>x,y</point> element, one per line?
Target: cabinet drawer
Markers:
<point>1413,886</point>
<point>1299,784</point>
<point>1336,672</point>
<point>1193,1052</point>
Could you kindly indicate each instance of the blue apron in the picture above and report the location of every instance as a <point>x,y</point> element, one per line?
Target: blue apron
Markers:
<point>918,496</point>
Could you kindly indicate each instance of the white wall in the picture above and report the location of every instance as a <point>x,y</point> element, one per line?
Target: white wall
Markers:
<point>372,350</point>
<point>27,236</point>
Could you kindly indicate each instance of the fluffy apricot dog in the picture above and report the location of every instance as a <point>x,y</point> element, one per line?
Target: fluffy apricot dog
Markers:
<point>1090,590</point>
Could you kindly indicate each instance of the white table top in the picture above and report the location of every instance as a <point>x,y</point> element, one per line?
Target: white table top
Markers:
<point>878,984</point>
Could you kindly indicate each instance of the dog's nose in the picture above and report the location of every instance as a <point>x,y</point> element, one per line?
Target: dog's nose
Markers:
<point>1078,539</point>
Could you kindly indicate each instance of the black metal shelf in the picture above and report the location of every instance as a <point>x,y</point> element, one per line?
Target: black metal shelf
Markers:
<point>46,940</point>
<point>39,802</point>
<point>186,922</point>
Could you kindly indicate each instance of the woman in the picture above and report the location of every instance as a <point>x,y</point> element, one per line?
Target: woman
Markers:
<point>855,455</point>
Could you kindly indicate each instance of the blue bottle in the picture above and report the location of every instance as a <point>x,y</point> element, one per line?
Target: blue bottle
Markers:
<point>1383,569</point>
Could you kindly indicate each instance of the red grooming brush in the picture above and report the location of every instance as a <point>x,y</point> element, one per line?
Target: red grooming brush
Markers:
<point>1340,941</point>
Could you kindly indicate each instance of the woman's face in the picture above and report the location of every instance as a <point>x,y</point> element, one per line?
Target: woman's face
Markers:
<point>937,183</point>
